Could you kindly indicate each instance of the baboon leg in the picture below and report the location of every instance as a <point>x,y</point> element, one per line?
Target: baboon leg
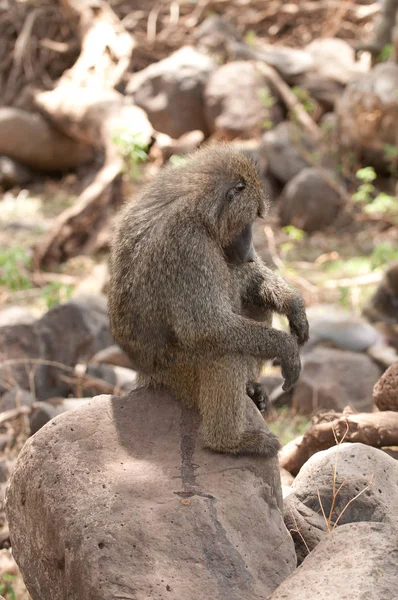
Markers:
<point>231,422</point>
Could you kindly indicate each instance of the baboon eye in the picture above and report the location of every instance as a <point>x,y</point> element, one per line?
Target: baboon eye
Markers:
<point>238,187</point>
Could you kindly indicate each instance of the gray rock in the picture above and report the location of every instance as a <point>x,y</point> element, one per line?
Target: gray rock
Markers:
<point>285,148</point>
<point>16,397</point>
<point>125,502</point>
<point>309,202</point>
<point>239,101</point>
<point>367,114</point>
<point>171,91</point>
<point>358,466</point>
<point>357,561</point>
<point>339,328</point>
<point>334,379</point>
<point>67,334</point>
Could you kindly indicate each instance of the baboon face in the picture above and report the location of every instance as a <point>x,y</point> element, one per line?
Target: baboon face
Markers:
<point>241,249</point>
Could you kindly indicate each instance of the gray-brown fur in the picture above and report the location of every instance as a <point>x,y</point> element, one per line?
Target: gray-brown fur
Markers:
<point>189,319</point>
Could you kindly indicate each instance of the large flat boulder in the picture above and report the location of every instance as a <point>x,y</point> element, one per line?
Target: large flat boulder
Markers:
<point>118,499</point>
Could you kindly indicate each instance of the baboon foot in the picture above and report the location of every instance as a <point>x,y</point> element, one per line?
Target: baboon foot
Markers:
<point>257,393</point>
<point>259,442</point>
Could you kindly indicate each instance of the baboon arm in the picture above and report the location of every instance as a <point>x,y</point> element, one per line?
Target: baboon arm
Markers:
<point>261,288</point>
<point>221,332</point>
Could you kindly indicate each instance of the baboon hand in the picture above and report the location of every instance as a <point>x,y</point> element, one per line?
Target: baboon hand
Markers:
<point>290,361</point>
<point>298,321</point>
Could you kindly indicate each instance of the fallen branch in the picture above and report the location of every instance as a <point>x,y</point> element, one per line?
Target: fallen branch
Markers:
<point>374,429</point>
<point>15,413</point>
<point>292,102</point>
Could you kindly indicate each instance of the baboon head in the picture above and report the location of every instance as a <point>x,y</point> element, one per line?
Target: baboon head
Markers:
<point>223,188</point>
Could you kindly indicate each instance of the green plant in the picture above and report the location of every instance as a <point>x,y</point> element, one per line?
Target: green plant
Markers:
<point>55,293</point>
<point>385,53</point>
<point>250,37</point>
<point>6,588</point>
<point>266,98</point>
<point>375,202</point>
<point>133,148</point>
<point>303,96</point>
<point>14,268</point>
<point>294,233</point>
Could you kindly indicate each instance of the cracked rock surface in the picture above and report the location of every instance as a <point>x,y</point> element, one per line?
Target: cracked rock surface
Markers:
<point>118,499</point>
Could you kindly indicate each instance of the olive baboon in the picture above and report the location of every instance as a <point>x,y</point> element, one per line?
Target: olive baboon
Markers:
<point>190,313</point>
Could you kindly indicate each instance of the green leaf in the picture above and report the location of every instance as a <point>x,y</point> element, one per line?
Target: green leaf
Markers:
<point>366,174</point>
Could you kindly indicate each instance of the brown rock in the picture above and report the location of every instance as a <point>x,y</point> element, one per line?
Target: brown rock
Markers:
<point>385,392</point>
<point>171,91</point>
<point>119,499</point>
<point>333,379</point>
<point>31,140</point>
